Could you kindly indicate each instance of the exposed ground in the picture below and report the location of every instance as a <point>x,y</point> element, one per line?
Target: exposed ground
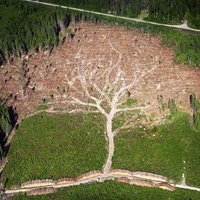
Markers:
<point>44,77</point>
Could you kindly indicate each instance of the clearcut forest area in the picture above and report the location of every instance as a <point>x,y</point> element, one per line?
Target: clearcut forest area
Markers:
<point>99,107</point>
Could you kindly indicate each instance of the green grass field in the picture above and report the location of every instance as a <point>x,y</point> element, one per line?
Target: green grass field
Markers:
<point>161,150</point>
<point>55,146</point>
<point>67,145</point>
<point>111,190</point>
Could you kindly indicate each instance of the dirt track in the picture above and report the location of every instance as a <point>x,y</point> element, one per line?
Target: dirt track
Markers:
<point>181,26</point>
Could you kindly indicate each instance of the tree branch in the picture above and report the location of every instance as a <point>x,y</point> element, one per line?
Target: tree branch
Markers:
<point>131,109</point>
<point>77,101</point>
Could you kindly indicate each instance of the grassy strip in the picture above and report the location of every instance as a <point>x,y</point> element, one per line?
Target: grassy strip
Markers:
<point>111,190</point>
<point>55,146</point>
<point>161,150</point>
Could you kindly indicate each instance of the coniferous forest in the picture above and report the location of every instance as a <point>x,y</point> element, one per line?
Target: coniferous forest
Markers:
<point>27,27</point>
<point>171,11</point>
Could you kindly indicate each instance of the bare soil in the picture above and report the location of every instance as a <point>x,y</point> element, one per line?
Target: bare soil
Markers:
<point>40,77</point>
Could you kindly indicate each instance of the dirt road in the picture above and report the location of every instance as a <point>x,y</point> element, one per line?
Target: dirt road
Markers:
<point>181,26</point>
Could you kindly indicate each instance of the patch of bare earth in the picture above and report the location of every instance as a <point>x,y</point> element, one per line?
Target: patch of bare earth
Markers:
<point>39,78</point>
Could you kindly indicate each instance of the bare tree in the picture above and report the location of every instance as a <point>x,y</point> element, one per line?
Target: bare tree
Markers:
<point>106,87</point>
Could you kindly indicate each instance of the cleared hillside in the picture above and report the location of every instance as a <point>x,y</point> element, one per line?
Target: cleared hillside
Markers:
<point>39,78</point>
